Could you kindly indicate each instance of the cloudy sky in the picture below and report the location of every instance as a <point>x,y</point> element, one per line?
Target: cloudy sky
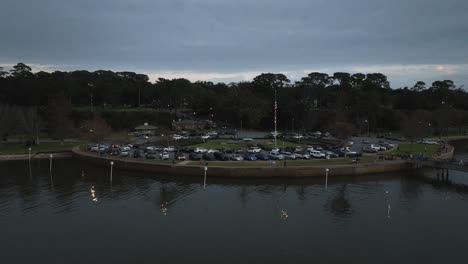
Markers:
<point>220,40</point>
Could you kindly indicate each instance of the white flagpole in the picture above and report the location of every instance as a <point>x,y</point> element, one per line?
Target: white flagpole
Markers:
<point>276,106</point>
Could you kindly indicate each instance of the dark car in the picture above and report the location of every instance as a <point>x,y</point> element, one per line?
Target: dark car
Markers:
<point>251,157</point>
<point>221,156</point>
<point>209,156</point>
<point>331,154</point>
<point>137,153</point>
<point>195,156</point>
<point>262,156</point>
<point>150,156</point>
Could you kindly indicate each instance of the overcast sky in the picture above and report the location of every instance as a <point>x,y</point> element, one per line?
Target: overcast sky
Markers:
<point>220,40</point>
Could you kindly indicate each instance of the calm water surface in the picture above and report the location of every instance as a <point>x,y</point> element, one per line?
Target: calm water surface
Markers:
<point>77,216</point>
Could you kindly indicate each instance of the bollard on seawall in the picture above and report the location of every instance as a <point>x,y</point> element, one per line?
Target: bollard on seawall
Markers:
<point>50,164</point>
<point>326,178</point>
<point>112,166</point>
<point>204,177</point>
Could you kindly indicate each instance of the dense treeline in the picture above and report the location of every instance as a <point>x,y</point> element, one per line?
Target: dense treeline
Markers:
<point>362,102</point>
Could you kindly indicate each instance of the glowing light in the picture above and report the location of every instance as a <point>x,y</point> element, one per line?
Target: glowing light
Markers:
<point>93,194</point>
<point>284,215</point>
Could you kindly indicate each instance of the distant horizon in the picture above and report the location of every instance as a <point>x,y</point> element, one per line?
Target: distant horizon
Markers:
<point>396,73</point>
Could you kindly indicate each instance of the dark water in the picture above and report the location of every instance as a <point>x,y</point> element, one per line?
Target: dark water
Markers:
<point>149,219</point>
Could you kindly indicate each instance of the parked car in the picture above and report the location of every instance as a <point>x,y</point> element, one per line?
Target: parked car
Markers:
<point>200,150</point>
<point>124,154</point>
<point>254,150</point>
<point>236,157</point>
<point>212,151</point>
<point>209,156</point>
<point>250,157</point>
<point>150,156</point>
<point>179,156</point>
<point>137,153</point>
<point>317,154</point>
<point>330,154</point>
<point>205,137</point>
<point>380,147</point>
<point>275,155</point>
<point>288,155</point>
<point>365,141</point>
<point>195,156</point>
<point>262,156</point>
<point>298,155</point>
<point>164,155</point>
<point>221,156</point>
<point>169,149</point>
<point>387,145</point>
<point>368,149</point>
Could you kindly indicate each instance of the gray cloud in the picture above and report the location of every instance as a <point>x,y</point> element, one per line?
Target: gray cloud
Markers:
<point>235,36</point>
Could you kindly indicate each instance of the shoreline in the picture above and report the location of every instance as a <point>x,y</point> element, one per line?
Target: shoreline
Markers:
<point>41,155</point>
<point>246,172</point>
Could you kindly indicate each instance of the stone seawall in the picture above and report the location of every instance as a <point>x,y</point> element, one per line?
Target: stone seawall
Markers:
<point>250,172</point>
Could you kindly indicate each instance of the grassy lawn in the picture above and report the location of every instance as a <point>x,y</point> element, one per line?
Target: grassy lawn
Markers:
<point>313,162</point>
<point>225,144</point>
<point>414,149</point>
<point>20,148</point>
<point>110,109</point>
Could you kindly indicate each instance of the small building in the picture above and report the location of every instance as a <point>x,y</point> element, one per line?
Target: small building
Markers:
<point>146,129</point>
<point>189,125</point>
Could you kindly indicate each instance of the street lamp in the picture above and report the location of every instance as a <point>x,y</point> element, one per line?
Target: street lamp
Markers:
<point>90,85</point>
<point>368,125</point>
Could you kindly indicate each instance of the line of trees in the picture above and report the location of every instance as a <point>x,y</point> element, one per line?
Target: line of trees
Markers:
<point>360,102</point>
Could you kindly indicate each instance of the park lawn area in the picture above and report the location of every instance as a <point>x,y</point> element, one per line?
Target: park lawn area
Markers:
<point>292,163</point>
<point>111,109</point>
<point>414,149</point>
<point>239,144</point>
<point>20,148</point>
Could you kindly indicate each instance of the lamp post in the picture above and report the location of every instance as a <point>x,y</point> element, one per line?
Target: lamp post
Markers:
<point>326,178</point>
<point>368,125</point>
<point>90,85</point>
<point>275,109</point>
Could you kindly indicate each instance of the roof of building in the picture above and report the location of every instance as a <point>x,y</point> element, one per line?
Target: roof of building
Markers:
<point>146,127</point>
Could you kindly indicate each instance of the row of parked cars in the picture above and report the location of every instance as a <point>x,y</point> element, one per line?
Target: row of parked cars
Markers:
<point>374,148</point>
<point>199,153</point>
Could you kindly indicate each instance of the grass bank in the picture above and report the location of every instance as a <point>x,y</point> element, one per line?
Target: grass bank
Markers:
<point>414,149</point>
<point>21,148</point>
<point>239,144</point>
<point>291,163</point>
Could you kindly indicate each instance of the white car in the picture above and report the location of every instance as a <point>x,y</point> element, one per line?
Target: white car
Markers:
<point>373,146</point>
<point>152,148</point>
<point>298,136</point>
<point>200,150</point>
<point>247,139</point>
<point>317,154</point>
<point>236,157</point>
<point>94,149</point>
<point>177,137</point>
<point>310,148</point>
<point>212,133</point>
<point>164,156</point>
<point>126,148</point>
<point>212,151</point>
<point>430,142</point>
<point>169,149</point>
<point>124,154</point>
<point>205,137</point>
<point>254,150</point>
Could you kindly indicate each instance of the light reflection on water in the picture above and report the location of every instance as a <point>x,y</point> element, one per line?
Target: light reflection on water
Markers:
<point>144,218</point>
